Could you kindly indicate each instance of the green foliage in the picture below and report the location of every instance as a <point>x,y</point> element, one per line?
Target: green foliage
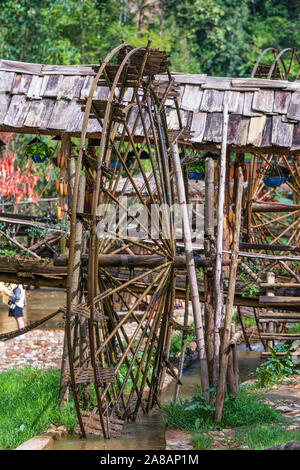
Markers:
<point>218,37</point>
<point>37,148</point>
<point>246,409</point>
<point>29,404</point>
<point>176,341</point>
<point>276,366</point>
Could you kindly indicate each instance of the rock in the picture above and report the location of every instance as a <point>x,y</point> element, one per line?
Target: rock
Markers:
<point>291,445</point>
<point>283,409</point>
<point>293,413</point>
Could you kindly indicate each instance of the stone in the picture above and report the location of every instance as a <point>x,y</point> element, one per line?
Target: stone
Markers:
<point>291,445</point>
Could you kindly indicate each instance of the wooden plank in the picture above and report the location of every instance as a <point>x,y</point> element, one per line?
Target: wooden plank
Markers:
<point>282,132</point>
<point>296,137</point>
<point>191,98</point>
<point>258,82</point>
<point>86,88</point>
<point>17,111</point>
<point>247,110</point>
<point>67,70</point>
<point>4,104</point>
<point>280,336</point>
<point>198,126</point>
<point>193,79</point>
<point>172,118</point>
<point>233,128</point>
<point>16,83</point>
<point>39,113</point>
<point>281,101</point>
<point>256,127</point>
<point>294,106</point>
<point>61,115</point>
<point>243,131</point>
<point>280,301</point>
<point>23,67</point>
<point>6,81</point>
<point>75,123</point>
<point>233,98</point>
<point>52,85</point>
<point>266,139</point>
<point>217,83</point>
<point>212,101</point>
<point>263,101</point>
<point>25,83</point>
<point>213,128</point>
<point>35,87</point>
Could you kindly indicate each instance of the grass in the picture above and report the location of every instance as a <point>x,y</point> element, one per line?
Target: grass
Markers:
<point>246,413</point>
<point>263,437</point>
<point>29,404</point>
<point>246,409</point>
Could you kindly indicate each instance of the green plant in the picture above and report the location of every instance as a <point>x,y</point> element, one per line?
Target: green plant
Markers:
<point>198,166</point>
<point>275,367</point>
<point>37,148</point>
<point>194,413</point>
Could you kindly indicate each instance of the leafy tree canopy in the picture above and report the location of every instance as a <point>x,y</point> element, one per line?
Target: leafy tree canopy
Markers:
<point>218,37</point>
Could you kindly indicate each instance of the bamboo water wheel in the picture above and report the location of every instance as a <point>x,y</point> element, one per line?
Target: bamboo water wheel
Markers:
<point>274,200</point>
<point>125,370</point>
<point>274,64</point>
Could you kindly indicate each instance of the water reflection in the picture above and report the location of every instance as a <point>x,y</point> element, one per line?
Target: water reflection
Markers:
<point>147,433</point>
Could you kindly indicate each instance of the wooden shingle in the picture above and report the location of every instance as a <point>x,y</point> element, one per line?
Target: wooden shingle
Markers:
<point>256,127</point>
<point>263,101</point>
<point>294,106</point>
<point>39,113</point>
<point>191,98</point>
<point>213,128</point>
<point>198,126</point>
<point>282,132</point>
<point>281,101</point>
<point>212,101</point>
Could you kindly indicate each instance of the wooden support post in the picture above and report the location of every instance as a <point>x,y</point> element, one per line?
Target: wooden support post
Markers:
<point>219,299</point>
<point>229,302</point>
<point>270,293</point>
<point>63,177</point>
<point>183,341</point>
<point>209,242</point>
<point>191,272</point>
<point>75,284</point>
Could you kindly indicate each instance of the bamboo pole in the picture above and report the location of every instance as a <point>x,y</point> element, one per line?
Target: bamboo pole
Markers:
<point>219,299</point>
<point>209,242</point>
<point>229,302</point>
<point>74,284</point>
<point>191,272</point>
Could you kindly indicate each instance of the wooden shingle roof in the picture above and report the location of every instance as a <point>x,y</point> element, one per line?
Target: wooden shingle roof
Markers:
<point>47,99</point>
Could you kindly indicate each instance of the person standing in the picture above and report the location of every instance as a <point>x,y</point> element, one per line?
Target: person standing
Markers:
<point>16,304</point>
